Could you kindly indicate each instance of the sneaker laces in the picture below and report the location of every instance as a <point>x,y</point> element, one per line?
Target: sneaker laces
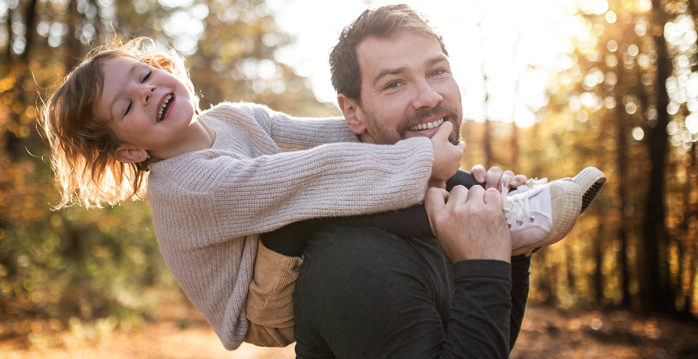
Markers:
<point>518,207</point>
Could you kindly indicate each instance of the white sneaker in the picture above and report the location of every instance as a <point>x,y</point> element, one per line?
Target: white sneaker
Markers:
<point>590,181</point>
<point>540,214</point>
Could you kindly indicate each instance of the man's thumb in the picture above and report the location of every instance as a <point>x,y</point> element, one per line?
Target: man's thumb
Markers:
<point>435,199</point>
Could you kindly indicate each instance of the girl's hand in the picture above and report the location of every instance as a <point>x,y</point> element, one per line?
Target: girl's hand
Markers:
<point>446,156</point>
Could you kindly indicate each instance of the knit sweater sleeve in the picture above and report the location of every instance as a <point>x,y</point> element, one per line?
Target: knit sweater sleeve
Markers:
<point>299,133</point>
<point>261,194</point>
<point>246,193</point>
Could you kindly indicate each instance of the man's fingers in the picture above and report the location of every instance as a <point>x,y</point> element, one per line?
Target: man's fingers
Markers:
<point>518,180</point>
<point>493,176</point>
<point>496,178</point>
<point>434,203</point>
<point>478,171</point>
<point>476,194</point>
<point>493,197</point>
<point>507,177</point>
<point>435,199</point>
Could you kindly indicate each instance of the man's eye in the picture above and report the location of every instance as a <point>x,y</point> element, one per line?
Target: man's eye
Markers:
<point>438,72</point>
<point>145,78</point>
<point>392,85</point>
<point>128,108</point>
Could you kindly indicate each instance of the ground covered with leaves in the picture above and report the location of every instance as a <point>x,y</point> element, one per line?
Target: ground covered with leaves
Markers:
<point>181,333</point>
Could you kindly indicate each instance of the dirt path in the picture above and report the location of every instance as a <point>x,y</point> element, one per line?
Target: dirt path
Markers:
<point>547,333</point>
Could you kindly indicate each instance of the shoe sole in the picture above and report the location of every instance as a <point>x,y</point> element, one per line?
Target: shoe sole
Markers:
<point>568,196</point>
<point>591,180</point>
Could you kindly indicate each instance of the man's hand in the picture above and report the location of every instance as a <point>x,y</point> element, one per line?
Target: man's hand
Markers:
<point>469,223</point>
<point>495,178</point>
<point>446,156</point>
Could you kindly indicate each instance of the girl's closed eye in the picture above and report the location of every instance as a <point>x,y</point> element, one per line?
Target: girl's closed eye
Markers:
<point>143,80</point>
<point>128,108</point>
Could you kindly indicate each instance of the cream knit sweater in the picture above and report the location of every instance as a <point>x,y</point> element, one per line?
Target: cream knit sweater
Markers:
<point>209,206</point>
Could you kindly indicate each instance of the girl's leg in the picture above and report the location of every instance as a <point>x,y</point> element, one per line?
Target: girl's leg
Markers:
<point>269,304</point>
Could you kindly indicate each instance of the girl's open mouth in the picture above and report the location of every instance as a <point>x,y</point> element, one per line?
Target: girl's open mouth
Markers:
<point>165,108</point>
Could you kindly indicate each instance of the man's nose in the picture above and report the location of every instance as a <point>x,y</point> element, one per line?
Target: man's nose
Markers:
<point>426,96</point>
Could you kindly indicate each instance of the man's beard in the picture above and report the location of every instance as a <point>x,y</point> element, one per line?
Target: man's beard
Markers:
<point>440,110</point>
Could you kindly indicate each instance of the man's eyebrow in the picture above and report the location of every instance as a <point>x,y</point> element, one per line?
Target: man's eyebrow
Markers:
<point>399,70</point>
<point>116,98</point>
<point>438,58</point>
<point>387,72</point>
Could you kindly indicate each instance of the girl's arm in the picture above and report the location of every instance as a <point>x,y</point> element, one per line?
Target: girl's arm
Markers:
<point>249,195</point>
<point>291,240</point>
<point>300,133</point>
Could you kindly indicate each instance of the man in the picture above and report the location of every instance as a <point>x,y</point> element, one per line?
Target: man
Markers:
<point>365,293</point>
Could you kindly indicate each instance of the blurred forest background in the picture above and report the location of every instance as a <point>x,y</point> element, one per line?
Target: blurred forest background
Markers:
<point>625,100</point>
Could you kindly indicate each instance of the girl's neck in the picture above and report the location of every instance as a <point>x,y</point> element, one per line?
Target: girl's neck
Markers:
<point>200,136</point>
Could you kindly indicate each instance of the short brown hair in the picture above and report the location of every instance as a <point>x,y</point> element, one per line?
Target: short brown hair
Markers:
<point>82,147</point>
<point>380,22</point>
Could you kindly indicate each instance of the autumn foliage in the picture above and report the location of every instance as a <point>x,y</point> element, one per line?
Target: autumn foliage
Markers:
<point>624,98</point>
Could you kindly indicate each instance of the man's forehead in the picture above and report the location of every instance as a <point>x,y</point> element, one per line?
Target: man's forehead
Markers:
<point>397,52</point>
<point>400,41</point>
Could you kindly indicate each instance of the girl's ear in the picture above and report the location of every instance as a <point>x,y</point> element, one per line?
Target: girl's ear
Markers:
<point>127,154</point>
<point>352,114</point>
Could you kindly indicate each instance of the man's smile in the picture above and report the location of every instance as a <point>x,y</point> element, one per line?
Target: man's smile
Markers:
<point>427,126</point>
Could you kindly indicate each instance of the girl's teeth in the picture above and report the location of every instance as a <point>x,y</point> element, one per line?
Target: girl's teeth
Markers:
<point>426,126</point>
<point>164,105</point>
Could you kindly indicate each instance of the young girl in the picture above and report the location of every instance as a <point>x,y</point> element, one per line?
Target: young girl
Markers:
<point>125,120</point>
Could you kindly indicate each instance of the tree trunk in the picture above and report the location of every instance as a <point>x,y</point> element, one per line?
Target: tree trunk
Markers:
<point>8,27</point>
<point>657,294</point>
<point>622,168</point>
<point>72,55</point>
<point>598,272</point>
<point>690,244</point>
<point>30,23</point>
<point>20,66</point>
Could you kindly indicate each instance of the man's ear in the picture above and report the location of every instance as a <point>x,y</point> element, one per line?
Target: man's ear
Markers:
<point>352,114</point>
<point>128,154</point>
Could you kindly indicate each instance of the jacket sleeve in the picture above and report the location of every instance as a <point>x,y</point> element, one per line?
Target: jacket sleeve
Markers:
<point>480,316</point>
<point>520,283</point>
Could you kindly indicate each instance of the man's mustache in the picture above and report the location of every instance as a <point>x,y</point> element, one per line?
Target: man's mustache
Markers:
<point>440,110</point>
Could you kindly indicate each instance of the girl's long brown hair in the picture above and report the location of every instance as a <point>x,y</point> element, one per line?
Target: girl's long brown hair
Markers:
<point>82,147</point>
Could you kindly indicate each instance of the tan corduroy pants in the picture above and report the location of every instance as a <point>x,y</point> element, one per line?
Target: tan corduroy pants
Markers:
<point>269,302</point>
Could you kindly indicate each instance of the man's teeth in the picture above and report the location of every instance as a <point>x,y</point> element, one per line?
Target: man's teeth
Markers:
<point>164,105</point>
<point>426,126</point>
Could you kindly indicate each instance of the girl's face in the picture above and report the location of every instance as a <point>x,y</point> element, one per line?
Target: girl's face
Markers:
<point>150,111</point>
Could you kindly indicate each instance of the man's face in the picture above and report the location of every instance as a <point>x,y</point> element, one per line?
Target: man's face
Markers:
<point>407,90</point>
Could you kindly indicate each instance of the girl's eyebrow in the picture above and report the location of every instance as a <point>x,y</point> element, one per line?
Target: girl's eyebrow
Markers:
<point>116,98</point>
